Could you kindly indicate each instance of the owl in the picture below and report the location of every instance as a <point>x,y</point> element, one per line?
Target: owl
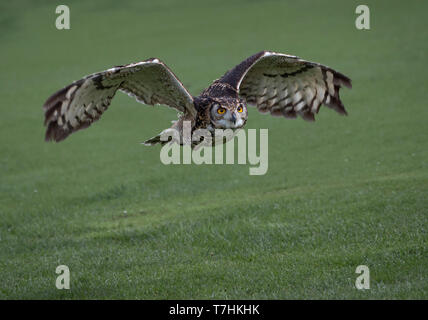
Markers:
<point>280,84</point>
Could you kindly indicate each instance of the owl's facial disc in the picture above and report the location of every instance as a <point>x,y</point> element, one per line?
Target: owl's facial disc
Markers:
<point>225,117</point>
<point>228,117</point>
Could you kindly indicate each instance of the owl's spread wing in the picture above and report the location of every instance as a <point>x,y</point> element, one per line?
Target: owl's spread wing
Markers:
<point>81,103</point>
<point>286,85</point>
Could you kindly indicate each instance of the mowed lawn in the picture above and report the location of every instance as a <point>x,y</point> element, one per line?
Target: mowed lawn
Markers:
<point>339,193</point>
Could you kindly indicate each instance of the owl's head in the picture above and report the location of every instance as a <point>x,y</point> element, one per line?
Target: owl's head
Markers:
<point>228,114</point>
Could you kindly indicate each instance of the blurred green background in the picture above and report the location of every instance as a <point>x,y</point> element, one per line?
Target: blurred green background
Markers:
<point>340,192</point>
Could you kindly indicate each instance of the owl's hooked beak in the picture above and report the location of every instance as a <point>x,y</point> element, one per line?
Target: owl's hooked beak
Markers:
<point>233,118</point>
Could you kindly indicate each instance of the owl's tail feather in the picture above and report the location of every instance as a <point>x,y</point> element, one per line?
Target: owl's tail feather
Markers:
<point>153,141</point>
<point>157,139</point>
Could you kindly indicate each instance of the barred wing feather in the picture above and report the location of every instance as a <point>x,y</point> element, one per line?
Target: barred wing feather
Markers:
<point>83,102</point>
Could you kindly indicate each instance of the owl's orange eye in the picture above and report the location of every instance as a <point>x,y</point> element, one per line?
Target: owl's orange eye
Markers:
<point>240,109</point>
<point>221,110</point>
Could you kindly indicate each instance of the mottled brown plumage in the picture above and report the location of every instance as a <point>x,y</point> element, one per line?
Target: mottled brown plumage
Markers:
<point>279,84</point>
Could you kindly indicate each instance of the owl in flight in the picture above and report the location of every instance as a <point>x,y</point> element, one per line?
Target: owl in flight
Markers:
<point>276,83</point>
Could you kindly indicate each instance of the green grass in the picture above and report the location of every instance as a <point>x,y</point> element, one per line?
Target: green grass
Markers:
<point>339,193</point>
